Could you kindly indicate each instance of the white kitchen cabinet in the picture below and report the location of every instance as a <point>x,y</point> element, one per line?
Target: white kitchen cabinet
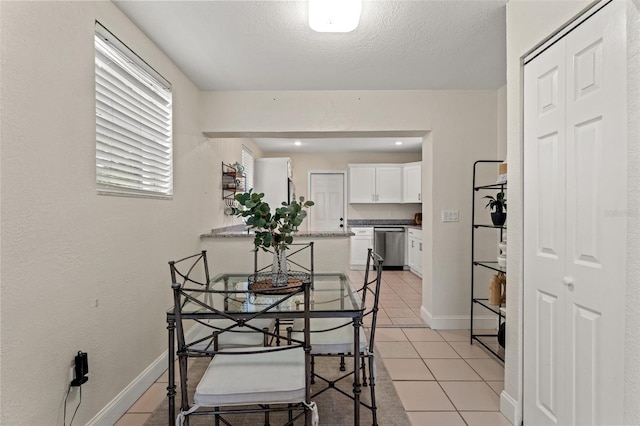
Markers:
<point>360,243</point>
<point>415,250</point>
<point>362,184</point>
<point>375,183</point>
<point>412,182</point>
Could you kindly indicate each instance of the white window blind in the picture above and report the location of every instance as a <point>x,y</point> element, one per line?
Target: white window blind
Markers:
<point>134,153</point>
<point>247,163</point>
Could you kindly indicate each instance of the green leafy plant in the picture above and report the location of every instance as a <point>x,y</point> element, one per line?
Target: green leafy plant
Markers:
<point>272,229</point>
<point>498,204</point>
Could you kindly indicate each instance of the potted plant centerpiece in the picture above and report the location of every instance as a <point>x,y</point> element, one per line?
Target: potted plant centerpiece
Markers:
<point>498,206</point>
<point>273,230</point>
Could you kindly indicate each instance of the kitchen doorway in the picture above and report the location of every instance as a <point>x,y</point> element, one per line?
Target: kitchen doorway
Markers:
<point>327,190</point>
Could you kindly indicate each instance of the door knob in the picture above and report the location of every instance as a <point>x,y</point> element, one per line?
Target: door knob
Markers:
<point>567,282</point>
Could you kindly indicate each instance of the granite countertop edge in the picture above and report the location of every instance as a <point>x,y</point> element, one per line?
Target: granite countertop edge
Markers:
<point>241,232</point>
<point>373,223</point>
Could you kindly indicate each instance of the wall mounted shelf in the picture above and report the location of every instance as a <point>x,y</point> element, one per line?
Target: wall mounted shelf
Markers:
<point>233,182</point>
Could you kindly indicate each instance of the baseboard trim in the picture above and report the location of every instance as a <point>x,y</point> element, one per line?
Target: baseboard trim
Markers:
<point>119,405</point>
<point>508,407</point>
<point>457,322</point>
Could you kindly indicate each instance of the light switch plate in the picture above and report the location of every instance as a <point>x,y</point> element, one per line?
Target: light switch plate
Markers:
<point>450,216</point>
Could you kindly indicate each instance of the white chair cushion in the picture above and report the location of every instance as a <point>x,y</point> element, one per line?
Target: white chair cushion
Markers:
<point>333,341</point>
<point>239,337</point>
<point>258,378</point>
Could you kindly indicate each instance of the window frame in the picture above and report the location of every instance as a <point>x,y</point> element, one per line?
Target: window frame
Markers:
<point>248,163</point>
<point>134,122</point>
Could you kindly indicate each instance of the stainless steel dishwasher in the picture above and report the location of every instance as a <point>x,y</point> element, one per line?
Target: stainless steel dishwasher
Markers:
<point>388,242</point>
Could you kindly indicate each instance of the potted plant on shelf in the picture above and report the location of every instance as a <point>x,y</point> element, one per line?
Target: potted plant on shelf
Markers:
<point>273,230</point>
<point>498,206</point>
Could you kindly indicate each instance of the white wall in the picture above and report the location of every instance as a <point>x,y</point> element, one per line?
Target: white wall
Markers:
<point>460,127</point>
<point>82,271</point>
<point>632,317</point>
<point>502,123</point>
<point>464,131</point>
<point>528,23</point>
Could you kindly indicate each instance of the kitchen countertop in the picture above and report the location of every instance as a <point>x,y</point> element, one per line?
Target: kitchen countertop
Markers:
<point>374,223</point>
<point>241,232</point>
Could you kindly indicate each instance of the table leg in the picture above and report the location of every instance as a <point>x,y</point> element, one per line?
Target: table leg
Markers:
<point>357,322</point>
<point>171,386</point>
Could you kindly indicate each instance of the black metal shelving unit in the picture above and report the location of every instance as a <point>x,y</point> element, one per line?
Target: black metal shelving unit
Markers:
<point>488,341</point>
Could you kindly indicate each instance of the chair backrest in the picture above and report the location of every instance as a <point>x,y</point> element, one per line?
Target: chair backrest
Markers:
<point>371,289</point>
<point>191,269</point>
<point>196,305</point>
<point>299,257</point>
<point>184,301</point>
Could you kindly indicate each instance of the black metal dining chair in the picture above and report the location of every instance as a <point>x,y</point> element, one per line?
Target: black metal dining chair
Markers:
<point>334,337</point>
<point>259,379</point>
<point>299,257</point>
<point>194,271</point>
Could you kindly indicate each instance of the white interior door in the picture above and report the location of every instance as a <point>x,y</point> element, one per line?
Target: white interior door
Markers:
<point>544,242</point>
<point>575,228</point>
<point>596,239</point>
<point>327,192</point>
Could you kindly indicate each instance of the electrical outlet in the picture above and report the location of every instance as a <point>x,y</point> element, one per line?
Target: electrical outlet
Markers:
<point>450,215</point>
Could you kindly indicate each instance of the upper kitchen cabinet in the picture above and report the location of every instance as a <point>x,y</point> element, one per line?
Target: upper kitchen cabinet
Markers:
<point>412,182</point>
<point>375,183</point>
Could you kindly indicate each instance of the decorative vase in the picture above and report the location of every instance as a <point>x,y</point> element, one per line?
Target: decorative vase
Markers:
<point>497,289</point>
<point>498,218</point>
<point>279,269</point>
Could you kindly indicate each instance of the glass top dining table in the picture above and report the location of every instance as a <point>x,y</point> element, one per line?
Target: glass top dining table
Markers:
<point>332,295</point>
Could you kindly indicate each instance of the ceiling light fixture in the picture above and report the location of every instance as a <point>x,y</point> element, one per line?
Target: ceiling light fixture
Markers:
<point>297,143</point>
<point>334,16</point>
<point>398,142</point>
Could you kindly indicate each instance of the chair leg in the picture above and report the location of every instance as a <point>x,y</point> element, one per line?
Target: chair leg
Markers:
<point>266,417</point>
<point>313,370</point>
<point>342,365</point>
<point>364,371</point>
<point>372,387</point>
<point>217,417</point>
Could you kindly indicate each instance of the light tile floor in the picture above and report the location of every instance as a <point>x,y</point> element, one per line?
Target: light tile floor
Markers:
<point>441,379</point>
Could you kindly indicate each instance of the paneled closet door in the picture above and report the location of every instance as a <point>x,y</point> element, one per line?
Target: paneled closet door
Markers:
<point>596,223</point>
<point>544,237</point>
<point>575,280</point>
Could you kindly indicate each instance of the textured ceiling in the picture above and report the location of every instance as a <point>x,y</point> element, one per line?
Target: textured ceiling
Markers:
<point>268,45</point>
